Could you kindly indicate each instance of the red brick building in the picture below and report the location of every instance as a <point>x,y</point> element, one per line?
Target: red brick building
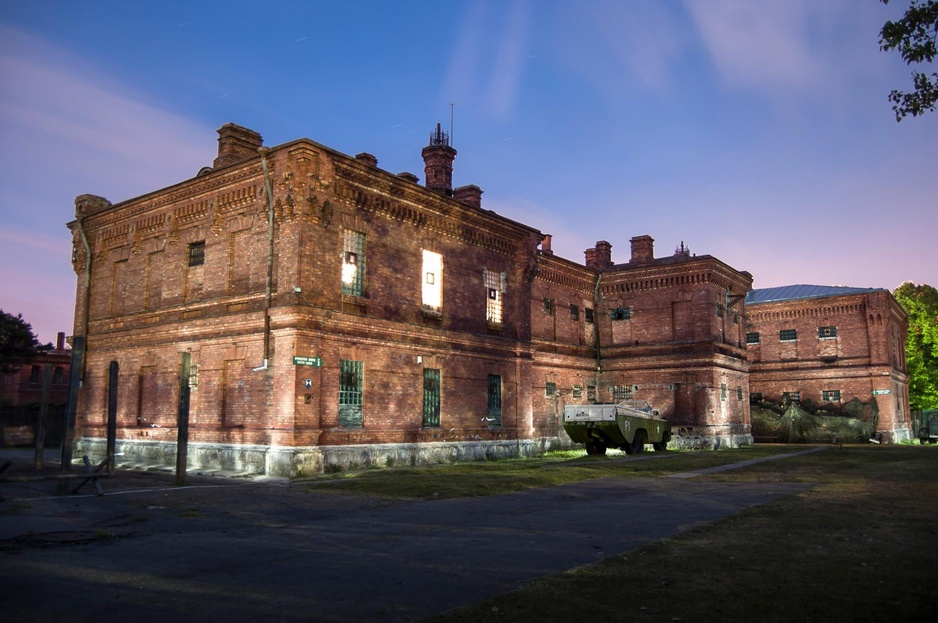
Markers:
<point>339,314</point>
<point>832,346</point>
<point>21,396</point>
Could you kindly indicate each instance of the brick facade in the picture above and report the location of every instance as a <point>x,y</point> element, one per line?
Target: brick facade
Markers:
<point>832,346</point>
<point>444,330</point>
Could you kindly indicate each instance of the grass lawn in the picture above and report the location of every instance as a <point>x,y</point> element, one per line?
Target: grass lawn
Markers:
<point>861,545</point>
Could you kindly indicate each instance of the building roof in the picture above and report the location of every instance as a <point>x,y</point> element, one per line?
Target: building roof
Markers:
<point>802,291</point>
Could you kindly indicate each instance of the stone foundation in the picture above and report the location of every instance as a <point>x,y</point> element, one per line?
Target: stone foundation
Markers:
<point>298,462</point>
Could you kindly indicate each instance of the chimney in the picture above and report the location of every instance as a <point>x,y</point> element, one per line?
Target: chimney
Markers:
<point>367,158</point>
<point>438,159</point>
<point>643,250</point>
<point>470,195</point>
<point>599,257</point>
<point>236,143</point>
<point>545,245</point>
<point>60,341</point>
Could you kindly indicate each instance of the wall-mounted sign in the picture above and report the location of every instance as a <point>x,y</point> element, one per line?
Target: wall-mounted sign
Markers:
<point>880,392</point>
<point>308,361</point>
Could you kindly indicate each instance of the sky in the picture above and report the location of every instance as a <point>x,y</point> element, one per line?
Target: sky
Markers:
<point>756,131</point>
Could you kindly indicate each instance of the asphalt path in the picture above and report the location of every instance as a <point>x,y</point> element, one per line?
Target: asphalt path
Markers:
<point>236,550</point>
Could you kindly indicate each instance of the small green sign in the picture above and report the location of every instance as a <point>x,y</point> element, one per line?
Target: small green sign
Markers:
<point>316,362</point>
<point>879,392</point>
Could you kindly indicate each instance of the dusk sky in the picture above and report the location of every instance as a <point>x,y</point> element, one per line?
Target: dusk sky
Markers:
<point>755,131</point>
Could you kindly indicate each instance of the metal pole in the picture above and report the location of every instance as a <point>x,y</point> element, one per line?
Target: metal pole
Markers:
<point>43,411</point>
<point>71,406</point>
<point>112,381</point>
<point>182,437</point>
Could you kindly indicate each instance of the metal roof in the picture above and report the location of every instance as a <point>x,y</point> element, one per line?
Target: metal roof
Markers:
<point>801,291</point>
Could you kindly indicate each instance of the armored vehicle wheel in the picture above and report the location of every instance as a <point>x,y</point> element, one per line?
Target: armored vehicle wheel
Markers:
<point>660,446</point>
<point>638,444</point>
<point>595,448</point>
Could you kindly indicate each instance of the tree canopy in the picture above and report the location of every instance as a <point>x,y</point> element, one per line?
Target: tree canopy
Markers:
<point>921,347</point>
<point>18,344</point>
<point>914,37</point>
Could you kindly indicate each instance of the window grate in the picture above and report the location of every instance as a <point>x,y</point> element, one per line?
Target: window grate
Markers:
<point>495,400</point>
<point>353,263</point>
<point>788,335</point>
<point>493,301</point>
<point>351,375</point>
<point>431,397</point>
<point>196,253</point>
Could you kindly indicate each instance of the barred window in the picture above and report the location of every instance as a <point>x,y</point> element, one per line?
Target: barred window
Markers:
<point>353,263</point>
<point>621,313</point>
<point>350,392</point>
<point>591,393</point>
<point>791,397</point>
<point>739,392</point>
<point>621,392</point>
<point>494,287</point>
<point>752,338</point>
<point>577,391</point>
<point>788,335</point>
<point>196,253</point>
<point>826,332</point>
<point>830,395</point>
<point>550,389</point>
<point>431,397</point>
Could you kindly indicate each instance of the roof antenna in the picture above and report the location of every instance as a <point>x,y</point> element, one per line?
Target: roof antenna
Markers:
<point>452,107</point>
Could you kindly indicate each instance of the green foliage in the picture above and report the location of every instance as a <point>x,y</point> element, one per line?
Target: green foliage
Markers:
<point>18,343</point>
<point>921,346</point>
<point>914,37</point>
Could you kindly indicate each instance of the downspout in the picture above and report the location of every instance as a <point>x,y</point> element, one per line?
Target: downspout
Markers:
<point>86,295</point>
<point>599,363</point>
<point>270,257</point>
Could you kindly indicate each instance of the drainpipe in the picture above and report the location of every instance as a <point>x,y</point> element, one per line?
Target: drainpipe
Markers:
<point>599,278</point>
<point>270,257</point>
<point>86,295</point>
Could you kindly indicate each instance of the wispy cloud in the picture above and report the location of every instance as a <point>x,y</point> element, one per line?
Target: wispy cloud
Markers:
<point>759,45</point>
<point>68,129</point>
<point>489,59</point>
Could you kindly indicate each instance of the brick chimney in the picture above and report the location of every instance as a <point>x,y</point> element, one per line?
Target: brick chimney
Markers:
<point>438,159</point>
<point>545,245</point>
<point>470,195</point>
<point>600,256</point>
<point>60,341</point>
<point>367,158</point>
<point>643,250</point>
<point>236,143</point>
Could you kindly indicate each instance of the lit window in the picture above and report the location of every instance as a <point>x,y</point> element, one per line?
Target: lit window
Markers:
<point>752,338</point>
<point>495,285</point>
<point>830,395</point>
<point>621,313</point>
<point>353,263</point>
<point>432,280</point>
<point>826,332</point>
<point>788,335</point>
<point>791,397</point>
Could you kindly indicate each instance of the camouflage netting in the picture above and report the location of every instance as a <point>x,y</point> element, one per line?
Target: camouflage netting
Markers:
<point>797,424</point>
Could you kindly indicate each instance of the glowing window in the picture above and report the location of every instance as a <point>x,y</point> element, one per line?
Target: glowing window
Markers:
<point>494,288</point>
<point>432,280</point>
<point>353,263</point>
